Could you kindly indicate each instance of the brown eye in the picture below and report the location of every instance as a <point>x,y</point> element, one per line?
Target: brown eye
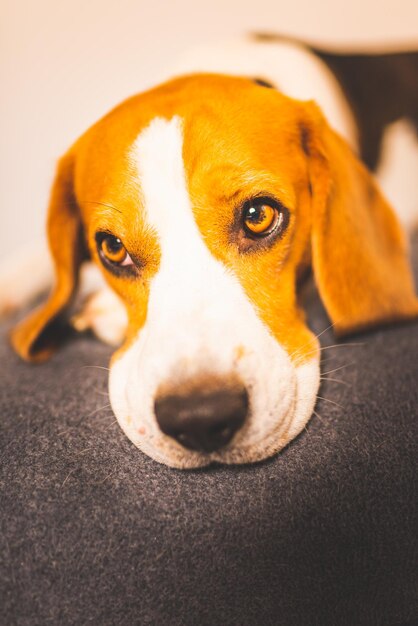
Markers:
<point>261,218</point>
<point>112,251</point>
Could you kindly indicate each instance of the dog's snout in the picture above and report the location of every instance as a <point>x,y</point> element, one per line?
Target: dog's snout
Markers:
<point>200,419</point>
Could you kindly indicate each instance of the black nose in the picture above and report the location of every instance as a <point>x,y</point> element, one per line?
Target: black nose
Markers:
<point>200,420</point>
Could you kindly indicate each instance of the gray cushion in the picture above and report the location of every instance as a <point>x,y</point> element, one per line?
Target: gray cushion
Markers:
<point>94,532</point>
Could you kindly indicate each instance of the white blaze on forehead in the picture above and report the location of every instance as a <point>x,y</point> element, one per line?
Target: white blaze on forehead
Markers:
<point>196,304</point>
<point>199,321</point>
<point>157,153</point>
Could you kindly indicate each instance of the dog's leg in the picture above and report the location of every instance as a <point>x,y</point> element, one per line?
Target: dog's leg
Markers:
<point>104,314</point>
<point>28,273</point>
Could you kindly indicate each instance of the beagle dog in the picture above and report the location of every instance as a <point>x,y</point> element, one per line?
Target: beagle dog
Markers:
<point>204,201</point>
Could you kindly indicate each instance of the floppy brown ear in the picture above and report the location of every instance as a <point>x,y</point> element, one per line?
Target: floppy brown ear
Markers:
<point>359,252</point>
<point>39,334</point>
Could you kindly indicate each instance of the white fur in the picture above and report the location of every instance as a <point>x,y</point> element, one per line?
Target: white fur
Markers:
<point>300,74</point>
<point>199,322</point>
<point>23,276</point>
<point>398,171</point>
<point>104,314</point>
<point>291,68</point>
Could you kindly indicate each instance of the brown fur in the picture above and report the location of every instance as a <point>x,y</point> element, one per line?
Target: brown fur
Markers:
<point>240,139</point>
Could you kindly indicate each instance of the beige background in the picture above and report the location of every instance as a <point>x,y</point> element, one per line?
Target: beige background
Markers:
<point>64,63</point>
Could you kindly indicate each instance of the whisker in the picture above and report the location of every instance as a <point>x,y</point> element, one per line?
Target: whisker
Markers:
<point>331,401</point>
<point>324,331</point>
<point>99,409</point>
<point>106,414</point>
<point>308,342</point>
<point>321,419</point>
<point>99,367</point>
<point>328,357</point>
<point>336,380</point>
<point>109,413</point>
<point>101,393</point>
<point>342,345</point>
<point>322,348</point>
<point>105,204</point>
<point>83,417</point>
<point>325,422</point>
<point>337,368</point>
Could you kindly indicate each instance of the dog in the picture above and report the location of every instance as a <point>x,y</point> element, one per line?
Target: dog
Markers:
<point>205,201</point>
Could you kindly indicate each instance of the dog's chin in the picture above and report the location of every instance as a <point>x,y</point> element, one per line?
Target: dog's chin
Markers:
<point>243,449</point>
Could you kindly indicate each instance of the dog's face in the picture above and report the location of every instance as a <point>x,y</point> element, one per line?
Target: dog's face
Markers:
<point>204,201</point>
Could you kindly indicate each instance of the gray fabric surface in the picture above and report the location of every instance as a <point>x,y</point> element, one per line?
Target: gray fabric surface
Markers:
<point>94,532</point>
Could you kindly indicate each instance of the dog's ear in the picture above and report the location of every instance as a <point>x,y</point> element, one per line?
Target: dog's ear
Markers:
<point>36,337</point>
<point>359,252</point>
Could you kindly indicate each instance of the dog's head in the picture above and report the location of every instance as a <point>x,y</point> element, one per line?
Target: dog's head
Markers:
<point>204,201</point>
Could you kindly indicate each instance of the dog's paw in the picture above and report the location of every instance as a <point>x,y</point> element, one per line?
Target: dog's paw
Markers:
<point>104,314</point>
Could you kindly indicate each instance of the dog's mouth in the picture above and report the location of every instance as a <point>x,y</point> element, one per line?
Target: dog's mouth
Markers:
<point>233,425</point>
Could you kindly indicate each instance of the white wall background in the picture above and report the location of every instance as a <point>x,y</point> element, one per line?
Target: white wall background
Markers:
<point>64,63</point>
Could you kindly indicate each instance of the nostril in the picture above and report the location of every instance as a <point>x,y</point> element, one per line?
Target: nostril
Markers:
<point>200,419</point>
<point>184,440</point>
<point>222,431</point>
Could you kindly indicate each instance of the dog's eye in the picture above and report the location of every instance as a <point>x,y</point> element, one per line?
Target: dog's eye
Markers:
<point>261,217</point>
<point>112,250</point>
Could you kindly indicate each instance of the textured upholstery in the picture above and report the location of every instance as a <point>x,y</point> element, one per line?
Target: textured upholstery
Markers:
<point>94,532</point>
